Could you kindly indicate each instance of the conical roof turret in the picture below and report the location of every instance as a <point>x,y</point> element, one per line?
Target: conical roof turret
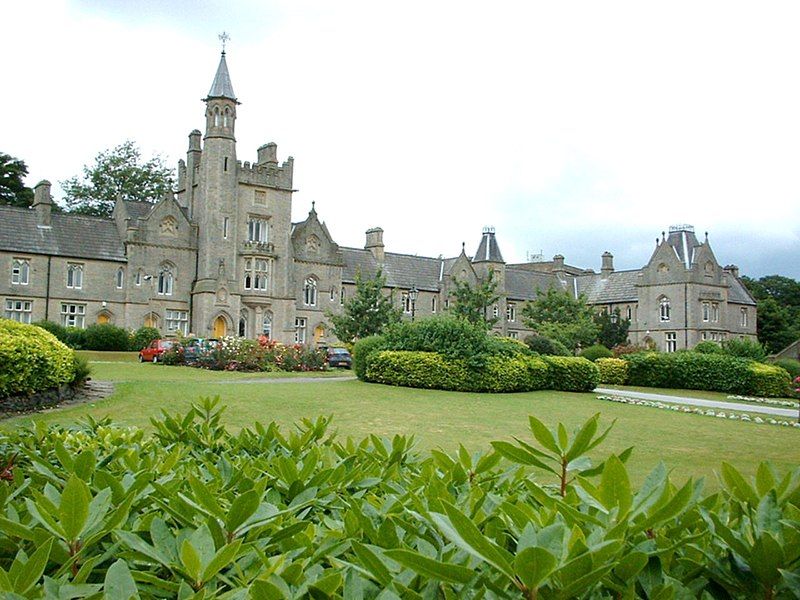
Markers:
<point>222,86</point>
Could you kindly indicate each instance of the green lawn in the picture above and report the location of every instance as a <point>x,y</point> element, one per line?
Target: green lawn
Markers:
<point>692,444</point>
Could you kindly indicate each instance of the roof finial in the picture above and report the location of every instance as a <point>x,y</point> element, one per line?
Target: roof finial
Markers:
<point>663,235</point>
<point>313,205</point>
<point>463,245</point>
<point>224,37</point>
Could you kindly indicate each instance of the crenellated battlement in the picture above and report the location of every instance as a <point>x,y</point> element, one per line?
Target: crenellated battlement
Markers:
<point>268,174</point>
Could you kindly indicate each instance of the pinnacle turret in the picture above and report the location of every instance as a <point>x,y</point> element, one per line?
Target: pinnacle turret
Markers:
<point>222,86</point>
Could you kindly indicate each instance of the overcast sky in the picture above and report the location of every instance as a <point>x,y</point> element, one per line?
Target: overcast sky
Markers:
<point>571,127</point>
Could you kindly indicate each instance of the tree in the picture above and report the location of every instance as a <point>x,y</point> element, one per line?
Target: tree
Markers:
<point>117,173</point>
<point>778,307</point>
<point>472,303</point>
<point>612,328</point>
<point>367,313</point>
<point>13,191</point>
<point>557,315</point>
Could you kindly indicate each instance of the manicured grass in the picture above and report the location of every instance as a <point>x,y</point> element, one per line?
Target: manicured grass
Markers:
<point>691,444</point>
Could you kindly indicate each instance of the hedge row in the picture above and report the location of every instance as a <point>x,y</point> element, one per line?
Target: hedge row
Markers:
<point>101,336</point>
<point>32,360</point>
<point>696,371</point>
<point>500,374</point>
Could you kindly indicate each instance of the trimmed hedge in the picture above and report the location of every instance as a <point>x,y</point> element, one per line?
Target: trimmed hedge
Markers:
<point>521,373</point>
<point>713,372</point>
<point>33,360</point>
<point>572,373</point>
<point>363,351</point>
<point>106,337</point>
<point>595,352</point>
<point>791,365</point>
<point>612,371</point>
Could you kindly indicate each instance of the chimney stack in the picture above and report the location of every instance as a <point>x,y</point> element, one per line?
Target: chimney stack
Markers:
<point>608,264</point>
<point>42,203</point>
<point>268,154</point>
<point>375,243</point>
<point>558,263</point>
<point>733,270</point>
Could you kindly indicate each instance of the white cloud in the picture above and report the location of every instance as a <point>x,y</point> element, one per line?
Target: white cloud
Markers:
<point>560,123</point>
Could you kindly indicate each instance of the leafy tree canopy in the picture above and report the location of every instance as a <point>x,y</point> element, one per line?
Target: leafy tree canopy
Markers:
<point>367,313</point>
<point>472,303</point>
<point>612,328</point>
<point>118,172</point>
<point>12,188</point>
<point>559,316</point>
<point>778,305</point>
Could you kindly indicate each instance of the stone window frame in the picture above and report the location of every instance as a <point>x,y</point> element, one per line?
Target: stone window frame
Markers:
<point>670,341</point>
<point>434,302</point>
<point>511,312</point>
<point>18,309</point>
<point>743,316</point>
<point>310,291</point>
<point>166,279</point>
<point>119,278</point>
<point>256,273</point>
<point>20,271</point>
<point>706,308</point>
<point>73,315</point>
<point>258,229</point>
<point>300,328</point>
<point>664,309</point>
<point>75,276</point>
<point>176,319</point>
<point>266,324</point>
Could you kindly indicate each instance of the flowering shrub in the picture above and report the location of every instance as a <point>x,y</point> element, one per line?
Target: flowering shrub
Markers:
<point>241,354</point>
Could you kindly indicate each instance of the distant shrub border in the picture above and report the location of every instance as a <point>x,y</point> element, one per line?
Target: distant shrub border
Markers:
<point>706,412</point>
<point>500,374</point>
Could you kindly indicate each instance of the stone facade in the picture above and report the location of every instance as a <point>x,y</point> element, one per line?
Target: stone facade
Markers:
<point>222,257</point>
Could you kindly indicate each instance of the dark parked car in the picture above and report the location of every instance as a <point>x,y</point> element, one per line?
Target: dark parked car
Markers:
<point>154,351</point>
<point>339,357</point>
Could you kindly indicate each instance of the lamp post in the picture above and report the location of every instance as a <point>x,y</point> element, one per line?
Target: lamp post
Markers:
<point>412,295</point>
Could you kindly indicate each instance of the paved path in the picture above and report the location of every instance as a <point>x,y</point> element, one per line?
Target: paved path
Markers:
<point>751,408</point>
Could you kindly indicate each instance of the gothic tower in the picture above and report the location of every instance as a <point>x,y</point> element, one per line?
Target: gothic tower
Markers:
<point>214,203</point>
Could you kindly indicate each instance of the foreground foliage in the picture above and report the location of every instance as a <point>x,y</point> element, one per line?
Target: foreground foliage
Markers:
<point>196,512</point>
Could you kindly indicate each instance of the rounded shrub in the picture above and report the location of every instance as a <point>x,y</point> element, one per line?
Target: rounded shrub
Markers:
<point>768,381</point>
<point>143,336</point>
<point>745,349</point>
<point>451,337</point>
<point>791,365</point>
<point>75,338</point>
<point>55,328</point>
<point>546,346</point>
<point>592,353</point>
<point>613,371</point>
<point>572,373</point>
<point>106,337</point>
<point>363,350</point>
<point>33,360</point>
<point>708,348</point>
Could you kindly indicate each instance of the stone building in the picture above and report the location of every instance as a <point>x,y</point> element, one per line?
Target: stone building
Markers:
<point>222,257</point>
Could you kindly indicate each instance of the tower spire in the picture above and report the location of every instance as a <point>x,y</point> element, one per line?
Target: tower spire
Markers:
<point>222,87</point>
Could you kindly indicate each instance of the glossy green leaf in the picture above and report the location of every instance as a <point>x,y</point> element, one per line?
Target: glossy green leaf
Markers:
<point>242,509</point>
<point>34,568</point>
<point>615,487</point>
<point>221,559</point>
<point>74,507</point>
<point>429,567</point>
<point>119,583</point>
<point>543,435</point>
<point>533,566</point>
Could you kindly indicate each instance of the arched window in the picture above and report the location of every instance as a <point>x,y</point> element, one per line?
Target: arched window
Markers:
<point>243,324</point>
<point>256,274</point>
<point>226,117</point>
<point>216,117</point>
<point>433,304</point>
<point>266,325</point>
<point>74,276</point>
<point>310,292</point>
<point>664,310</point>
<point>165,280</point>
<point>120,278</point>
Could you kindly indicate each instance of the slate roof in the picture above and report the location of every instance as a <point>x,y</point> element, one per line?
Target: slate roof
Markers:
<point>222,86</point>
<point>70,235</point>
<point>619,286</point>
<point>738,293</point>
<point>488,250</point>
<point>138,209</point>
<point>683,241</point>
<point>522,284</point>
<point>401,270</point>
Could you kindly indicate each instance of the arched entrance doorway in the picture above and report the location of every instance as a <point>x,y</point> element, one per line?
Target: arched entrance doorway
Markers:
<point>103,319</point>
<point>319,333</point>
<point>220,327</point>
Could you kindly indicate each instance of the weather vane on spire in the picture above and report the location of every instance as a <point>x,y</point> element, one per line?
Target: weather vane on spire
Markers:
<point>224,37</point>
